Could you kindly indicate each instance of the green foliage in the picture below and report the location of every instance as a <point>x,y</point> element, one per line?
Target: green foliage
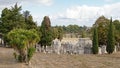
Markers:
<point>20,58</point>
<point>31,51</point>
<point>83,34</point>
<point>55,32</point>
<point>15,55</point>
<point>17,38</point>
<point>95,41</point>
<point>30,24</point>
<point>110,39</point>
<point>73,28</point>
<point>117,31</point>
<point>102,24</point>
<point>21,40</point>
<point>12,18</point>
<point>46,31</point>
<point>58,32</point>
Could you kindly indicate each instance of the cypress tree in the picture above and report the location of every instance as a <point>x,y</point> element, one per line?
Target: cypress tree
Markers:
<point>45,29</point>
<point>95,41</point>
<point>110,38</point>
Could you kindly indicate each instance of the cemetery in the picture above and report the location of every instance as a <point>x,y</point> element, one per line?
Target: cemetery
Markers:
<point>72,46</point>
<point>59,34</point>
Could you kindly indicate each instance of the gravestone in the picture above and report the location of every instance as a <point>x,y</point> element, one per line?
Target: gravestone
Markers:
<point>115,50</point>
<point>103,49</point>
<point>56,46</point>
<point>99,50</point>
<point>38,48</point>
<point>85,45</point>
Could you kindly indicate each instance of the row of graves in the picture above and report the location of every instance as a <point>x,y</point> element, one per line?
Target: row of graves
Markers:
<point>72,46</point>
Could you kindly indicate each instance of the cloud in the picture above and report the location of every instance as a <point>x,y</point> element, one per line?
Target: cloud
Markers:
<point>5,3</point>
<point>87,15</point>
<point>108,0</point>
<point>46,2</point>
<point>9,3</point>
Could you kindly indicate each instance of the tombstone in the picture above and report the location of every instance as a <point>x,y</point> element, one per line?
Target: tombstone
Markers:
<point>87,50</point>
<point>103,49</point>
<point>99,50</point>
<point>63,48</point>
<point>38,48</point>
<point>56,46</point>
<point>69,47</point>
<point>0,41</point>
<point>78,48</point>
<point>85,45</point>
<point>49,49</point>
<point>81,46</point>
<point>42,49</point>
<point>115,50</point>
<point>88,47</point>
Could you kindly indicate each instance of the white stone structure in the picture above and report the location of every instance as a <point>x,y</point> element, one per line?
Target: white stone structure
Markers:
<point>56,46</point>
<point>85,45</point>
<point>99,50</point>
<point>103,49</point>
<point>80,46</point>
<point>1,42</point>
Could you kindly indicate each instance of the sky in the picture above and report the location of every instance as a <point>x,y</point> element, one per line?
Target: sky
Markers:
<point>65,12</point>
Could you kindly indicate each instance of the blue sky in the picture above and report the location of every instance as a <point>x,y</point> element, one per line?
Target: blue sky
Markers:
<point>65,12</point>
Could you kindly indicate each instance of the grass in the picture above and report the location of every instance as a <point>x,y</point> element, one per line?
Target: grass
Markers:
<point>41,60</point>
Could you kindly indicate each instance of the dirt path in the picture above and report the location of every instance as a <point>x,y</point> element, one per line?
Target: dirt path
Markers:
<point>41,60</point>
<point>7,59</point>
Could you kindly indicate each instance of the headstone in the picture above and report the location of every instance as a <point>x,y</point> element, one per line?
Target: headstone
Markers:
<point>56,46</point>
<point>99,50</point>
<point>85,46</point>
<point>103,49</point>
<point>38,48</point>
<point>115,50</point>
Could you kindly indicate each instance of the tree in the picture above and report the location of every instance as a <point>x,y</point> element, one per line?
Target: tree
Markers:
<point>60,33</point>
<point>73,28</point>
<point>47,35</point>
<point>55,32</point>
<point>95,41</point>
<point>102,24</point>
<point>23,41</point>
<point>110,38</point>
<point>83,35</point>
<point>30,24</point>
<point>11,19</point>
<point>117,31</point>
